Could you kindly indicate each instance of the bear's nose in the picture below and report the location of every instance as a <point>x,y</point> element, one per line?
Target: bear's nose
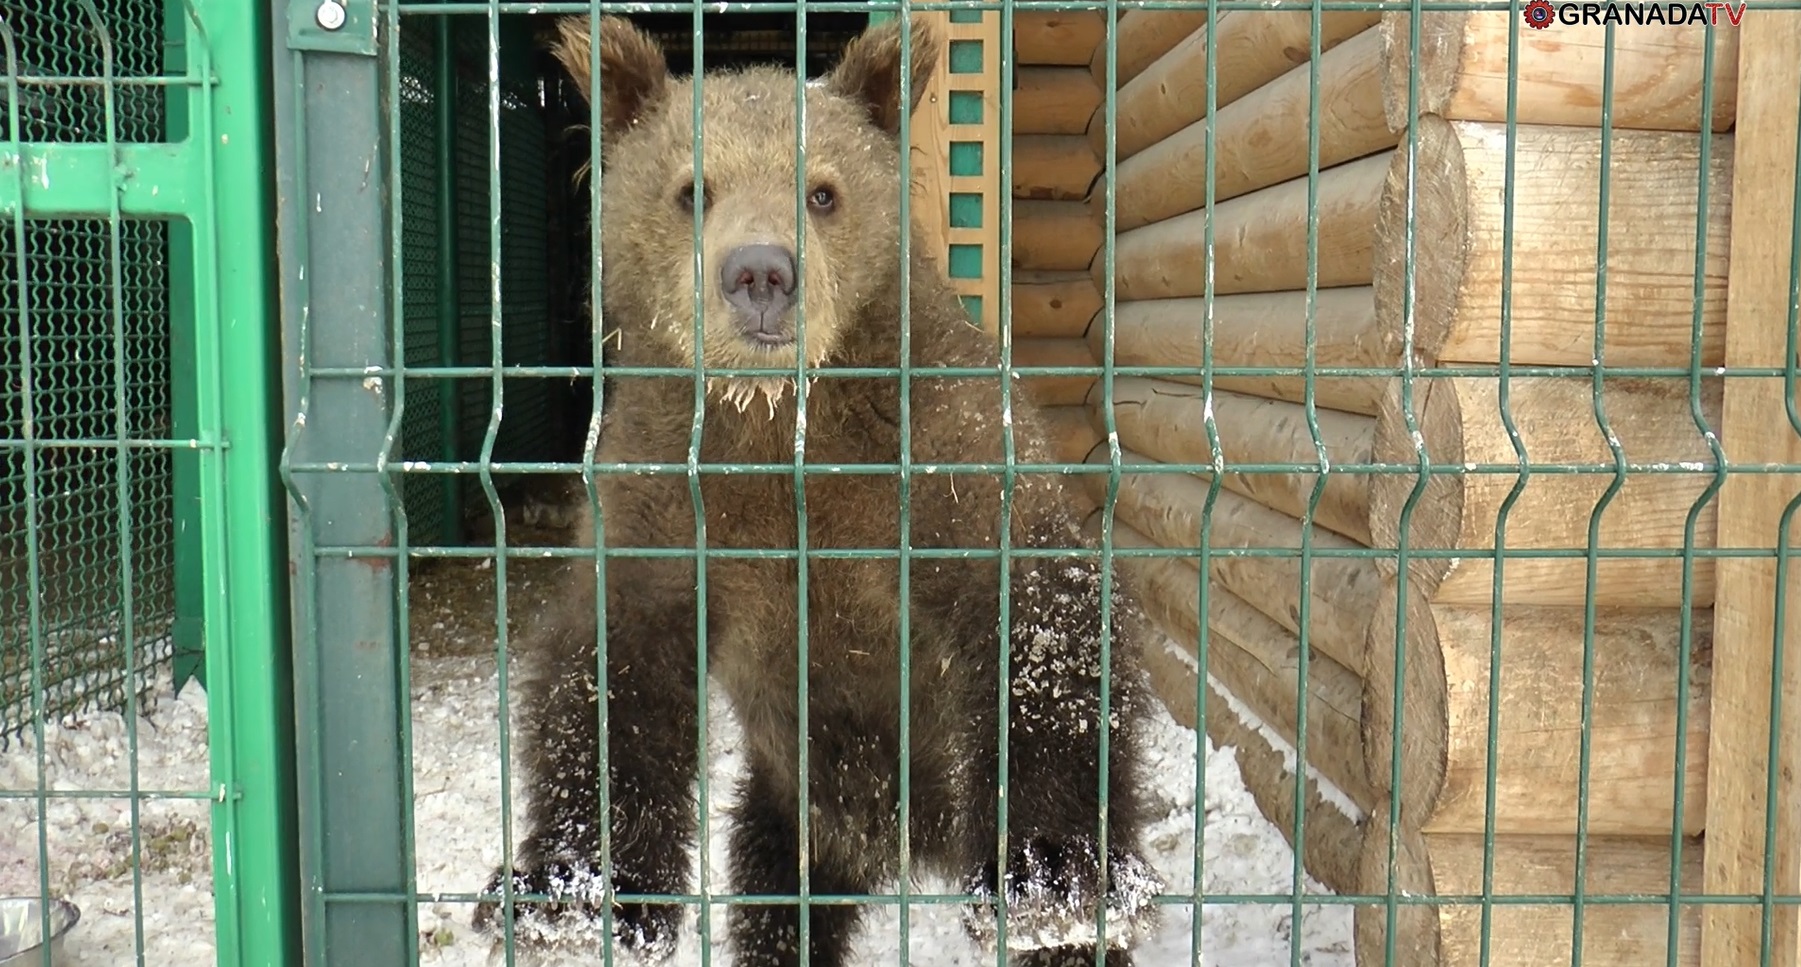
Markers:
<point>759,279</point>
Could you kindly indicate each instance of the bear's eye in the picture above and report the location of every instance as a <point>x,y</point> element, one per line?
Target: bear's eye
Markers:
<point>687,196</point>
<point>822,200</point>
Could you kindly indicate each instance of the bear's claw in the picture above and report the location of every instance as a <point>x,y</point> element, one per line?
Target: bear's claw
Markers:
<point>1051,893</point>
<point>572,916</point>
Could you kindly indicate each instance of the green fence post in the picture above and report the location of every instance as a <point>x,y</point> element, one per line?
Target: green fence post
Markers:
<point>189,571</point>
<point>250,720</point>
<point>334,191</point>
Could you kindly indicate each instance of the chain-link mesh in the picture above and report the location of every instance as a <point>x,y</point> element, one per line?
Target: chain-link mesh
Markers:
<point>447,269</point>
<point>68,288</point>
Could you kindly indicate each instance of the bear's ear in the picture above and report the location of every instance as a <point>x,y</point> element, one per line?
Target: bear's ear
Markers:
<point>870,72</point>
<point>633,70</point>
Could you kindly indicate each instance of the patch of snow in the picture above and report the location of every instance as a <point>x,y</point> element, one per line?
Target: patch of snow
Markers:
<point>89,839</point>
<point>457,783</point>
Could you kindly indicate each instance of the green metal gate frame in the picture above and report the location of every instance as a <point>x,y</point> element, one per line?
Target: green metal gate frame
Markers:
<point>208,180</point>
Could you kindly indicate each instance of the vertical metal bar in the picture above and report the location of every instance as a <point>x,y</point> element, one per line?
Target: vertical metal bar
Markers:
<point>1298,835</point>
<point>402,654</point>
<point>444,115</point>
<point>1215,453</point>
<point>803,730</point>
<point>189,561</point>
<point>1404,528</point>
<point>33,526</point>
<point>497,384</point>
<point>250,715</point>
<point>589,445</point>
<point>1004,264</point>
<point>1685,640</point>
<point>1592,578</point>
<point>122,468</point>
<point>905,540</point>
<point>1110,503</point>
<point>335,273</point>
<point>1505,397</point>
<point>697,149</point>
<point>288,74</point>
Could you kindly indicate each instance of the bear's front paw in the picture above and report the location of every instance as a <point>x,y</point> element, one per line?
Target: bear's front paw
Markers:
<point>1052,894</point>
<point>572,917</point>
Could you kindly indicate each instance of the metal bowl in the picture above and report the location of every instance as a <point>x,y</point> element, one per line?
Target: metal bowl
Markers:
<point>22,930</point>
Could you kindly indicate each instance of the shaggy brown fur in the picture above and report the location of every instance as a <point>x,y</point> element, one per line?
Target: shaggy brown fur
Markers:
<point>853,605</point>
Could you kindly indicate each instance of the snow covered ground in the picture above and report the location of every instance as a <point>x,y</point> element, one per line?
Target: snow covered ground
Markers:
<point>457,786</point>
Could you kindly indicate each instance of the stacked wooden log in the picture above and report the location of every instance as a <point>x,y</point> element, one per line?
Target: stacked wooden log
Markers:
<point>1655,315</point>
<point>1053,237</point>
<point>1262,75</point>
<point>1623,792</point>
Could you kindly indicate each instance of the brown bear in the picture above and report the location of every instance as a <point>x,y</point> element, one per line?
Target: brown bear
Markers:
<point>753,276</point>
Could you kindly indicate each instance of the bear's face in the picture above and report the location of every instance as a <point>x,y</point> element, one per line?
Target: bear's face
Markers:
<point>751,255</point>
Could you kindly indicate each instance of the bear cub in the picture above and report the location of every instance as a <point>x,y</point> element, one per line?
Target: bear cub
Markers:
<point>1059,875</point>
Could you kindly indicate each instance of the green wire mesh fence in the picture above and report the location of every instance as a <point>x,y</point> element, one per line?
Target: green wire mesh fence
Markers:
<point>135,551</point>
<point>1359,293</point>
<point>78,500</point>
<point>1373,295</point>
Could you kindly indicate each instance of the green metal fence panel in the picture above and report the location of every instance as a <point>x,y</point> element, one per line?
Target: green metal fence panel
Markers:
<point>78,499</point>
<point>429,283</point>
<point>135,419</point>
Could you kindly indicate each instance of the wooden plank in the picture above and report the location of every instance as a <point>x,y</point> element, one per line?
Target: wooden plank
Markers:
<point>1260,240</point>
<point>929,155</point>
<point>1072,436</point>
<point>1755,430</point>
<point>1053,167</point>
<point>1462,421</point>
<point>1052,100</point>
<point>1170,507</point>
<point>1054,390</point>
<point>1465,61</point>
<point>933,135</point>
<point>1458,202</point>
<point>1058,38</point>
<point>1053,303</point>
<point>1258,329</point>
<point>1332,846</point>
<point>1251,48</point>
<point>1143,36</point>
<point>1261,138</point>
<point>1166,420</point>
<point>1636,660</point>
<point>1524,934</point>
<point>1054,236</point>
